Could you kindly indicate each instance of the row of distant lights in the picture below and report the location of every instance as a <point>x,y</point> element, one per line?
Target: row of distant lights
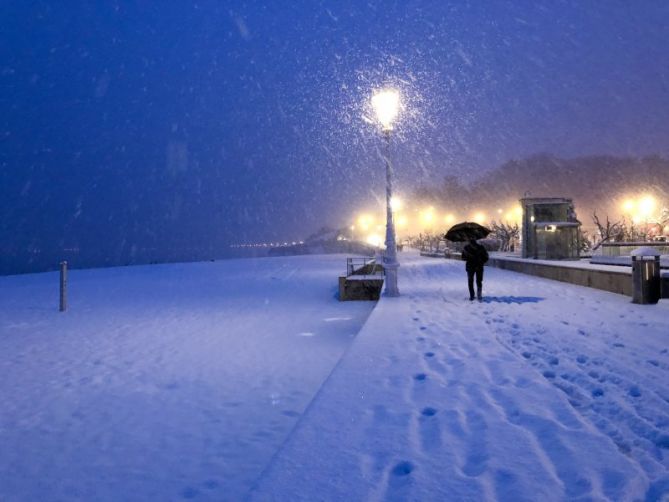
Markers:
<point>267,244</point>
<point>429,217</point>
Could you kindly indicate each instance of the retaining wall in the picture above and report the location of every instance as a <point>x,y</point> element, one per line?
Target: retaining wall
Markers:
<point>608,280</point>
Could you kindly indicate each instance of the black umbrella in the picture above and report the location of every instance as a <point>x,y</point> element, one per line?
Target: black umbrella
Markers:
<point>466,231</point>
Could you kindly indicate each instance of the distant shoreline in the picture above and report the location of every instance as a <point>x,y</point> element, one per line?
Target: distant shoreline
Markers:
<point>48,263</point>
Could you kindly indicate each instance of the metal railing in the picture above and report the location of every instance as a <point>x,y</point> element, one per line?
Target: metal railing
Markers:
<point>362,266</point>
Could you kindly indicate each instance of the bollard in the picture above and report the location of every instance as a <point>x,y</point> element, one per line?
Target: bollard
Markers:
<point>63,286</point>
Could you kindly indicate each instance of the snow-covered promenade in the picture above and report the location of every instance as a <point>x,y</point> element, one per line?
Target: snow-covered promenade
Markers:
<point>202,381</point>
<point>545,391</point>
<point>162,382</point>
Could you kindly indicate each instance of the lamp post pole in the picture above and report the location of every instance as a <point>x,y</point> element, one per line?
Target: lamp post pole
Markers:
<point>390,263</point>
<point>386,104</point>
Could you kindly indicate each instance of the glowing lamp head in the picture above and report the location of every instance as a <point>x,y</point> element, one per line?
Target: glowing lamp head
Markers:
<point>427,217</point>
<point>647,205</point>
<point>365,221</point>
<point>629,205</point>
<point>386,104</point>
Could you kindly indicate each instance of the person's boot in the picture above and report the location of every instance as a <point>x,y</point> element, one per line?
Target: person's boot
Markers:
<point>479,295</point>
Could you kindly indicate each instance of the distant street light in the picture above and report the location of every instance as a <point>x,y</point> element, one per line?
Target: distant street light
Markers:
<point>396,203</point>
<point>479,217</point>
<point>647,206</point>
<point>427,217</point>
<point>386,104</point>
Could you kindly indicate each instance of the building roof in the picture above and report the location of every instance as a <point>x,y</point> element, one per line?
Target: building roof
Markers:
<point>556,223</point>
<point>545,200</point>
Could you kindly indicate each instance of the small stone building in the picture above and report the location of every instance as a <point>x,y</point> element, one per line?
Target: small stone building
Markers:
<point>550,229</point>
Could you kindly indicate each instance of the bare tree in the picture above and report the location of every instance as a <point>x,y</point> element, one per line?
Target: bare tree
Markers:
<point>664,217</point>
<point>631,232</point>
<point>506,233</point>
<point>663,220</point>
<point>585,241</point>
<point>427,242</point>
<point>607,231</point>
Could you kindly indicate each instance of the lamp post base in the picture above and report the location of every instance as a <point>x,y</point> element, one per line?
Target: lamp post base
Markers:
<point>390,269</point>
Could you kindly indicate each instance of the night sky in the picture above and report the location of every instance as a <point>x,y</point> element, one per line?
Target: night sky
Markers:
<point>245,121</point>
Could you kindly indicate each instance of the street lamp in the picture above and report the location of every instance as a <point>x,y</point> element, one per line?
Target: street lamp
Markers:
<point>386,104</point>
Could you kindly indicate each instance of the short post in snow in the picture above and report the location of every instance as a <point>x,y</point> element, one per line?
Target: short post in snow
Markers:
<point>63,286</point>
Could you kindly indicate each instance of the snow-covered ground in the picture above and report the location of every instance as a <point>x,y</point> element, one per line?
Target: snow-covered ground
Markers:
<point>162,382</point>
<point>197,381</point>
<point>545,391</point>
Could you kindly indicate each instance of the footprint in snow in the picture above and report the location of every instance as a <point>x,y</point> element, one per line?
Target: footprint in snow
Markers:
<point>420,377</point>
<point>429,430</point>
<point>402,469</point>
<point>429,354</point>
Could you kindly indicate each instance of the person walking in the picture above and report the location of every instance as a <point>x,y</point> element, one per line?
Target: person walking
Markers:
<point>476,256</point>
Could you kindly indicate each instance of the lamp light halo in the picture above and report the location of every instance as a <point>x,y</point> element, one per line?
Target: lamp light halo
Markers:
<point>386,105</point>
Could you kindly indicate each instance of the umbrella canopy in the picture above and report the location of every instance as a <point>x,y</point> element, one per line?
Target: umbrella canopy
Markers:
<point>466,231</point>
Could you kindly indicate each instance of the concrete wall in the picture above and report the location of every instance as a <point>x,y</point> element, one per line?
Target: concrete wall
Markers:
<point>615,282</point>
<point>367,289</point>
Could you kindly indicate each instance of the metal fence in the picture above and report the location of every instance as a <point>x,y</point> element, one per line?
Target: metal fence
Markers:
<point>362,266</point>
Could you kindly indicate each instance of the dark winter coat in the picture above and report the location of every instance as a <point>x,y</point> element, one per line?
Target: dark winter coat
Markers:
<point>475,255</point>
